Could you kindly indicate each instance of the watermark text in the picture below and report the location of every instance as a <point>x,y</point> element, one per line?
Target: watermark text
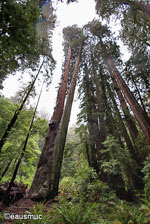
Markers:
<point>14,216</point>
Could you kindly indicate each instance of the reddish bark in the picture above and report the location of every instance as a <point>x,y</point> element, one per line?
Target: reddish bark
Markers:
<point>61,138</point>
<point>124,131</point>
<point>140,115</point>
<point>58,110</point>
<point>130,123</point>
<point>43,184</point>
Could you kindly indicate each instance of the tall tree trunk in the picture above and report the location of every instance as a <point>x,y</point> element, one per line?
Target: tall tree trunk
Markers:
<point>94,144</point>
<point>61,139</point>
<point>130,124</point>
<point>93,122</point>
<point>128,118</point>
<point>17,112</point>
<point>140,115</point>
<point>58,110</point>
<point>91,155</point>
<point>139,95</point>
<point>5,170</point>
<point>24,148</point>
<point>134,178</point>
<point>100,105</point>
<point>111,126</point>
<point>137,5</point>
<point>124,130</point>
<point>133,171</point>
<point>43,182</point>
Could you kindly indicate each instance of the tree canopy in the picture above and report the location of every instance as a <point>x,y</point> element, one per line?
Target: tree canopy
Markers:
<point>98,170</point>
<point>20,44</point>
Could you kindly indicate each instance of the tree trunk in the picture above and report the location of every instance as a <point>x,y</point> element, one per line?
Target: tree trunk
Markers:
<point>128,118</point>
<point>100,106</point>
<point>17,112</point>
<point>58,110</point>
<point>5,170</point>
<point>140,115</point>
<point>111,127</point>
<point>124,131</point>
<point>43,182</point>
<point>92,115</point>
<point>91,157</point>
<point>91,146</point>
<point>137,5</point>
<point>139,95</point>
<point>24,148</point>
<point>61,139</point>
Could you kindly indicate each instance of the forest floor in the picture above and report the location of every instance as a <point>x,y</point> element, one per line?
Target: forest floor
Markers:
<point>23,206</point>
<point>20,203</point>
<point>100,206</point>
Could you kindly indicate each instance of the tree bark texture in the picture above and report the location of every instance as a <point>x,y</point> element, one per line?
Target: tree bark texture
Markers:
<point>124,131</point>
<point>100,106</point>
<point>61,137</point>
<point>44,180</point>
<point>140,115</point>
<point>128,118</point>
<point>111,127</point>
<point>91,146</point>
<point>92,115</point>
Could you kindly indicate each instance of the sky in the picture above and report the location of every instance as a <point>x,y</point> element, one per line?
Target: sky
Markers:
<point>75,13</point>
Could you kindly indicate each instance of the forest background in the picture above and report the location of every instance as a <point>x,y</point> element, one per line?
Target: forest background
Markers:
<point>102,167</point>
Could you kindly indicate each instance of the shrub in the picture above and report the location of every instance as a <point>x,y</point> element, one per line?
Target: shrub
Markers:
<point>77,213</point>
<point>67,185</point>
<point>146,171</point>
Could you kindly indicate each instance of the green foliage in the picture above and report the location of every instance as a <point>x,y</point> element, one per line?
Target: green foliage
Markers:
<point>38,210</point>
<point>144,216</point>
<point>20,44</point>
<point>126,213</point>
<point>18,39</point>
<point>135,22</point>
<point>71,154</point>
<point>107,7</point>
<point>2,217</point>
<point>116,160</point>
<point>80,212</point>
<point>66,213</point>
<point>67,185</point>
<point>73,37</point>
<point>7,109</point>
<point>146,171</point>
<point>13,146</point>
<point>87,187</point>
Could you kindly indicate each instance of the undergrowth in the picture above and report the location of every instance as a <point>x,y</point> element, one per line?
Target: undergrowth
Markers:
<point>84,199</point>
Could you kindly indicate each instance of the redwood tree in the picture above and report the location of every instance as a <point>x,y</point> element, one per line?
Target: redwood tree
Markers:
<point>44,177</point>
<point>141,116</point>
<point>139,113</point>
<point>61,137</point>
